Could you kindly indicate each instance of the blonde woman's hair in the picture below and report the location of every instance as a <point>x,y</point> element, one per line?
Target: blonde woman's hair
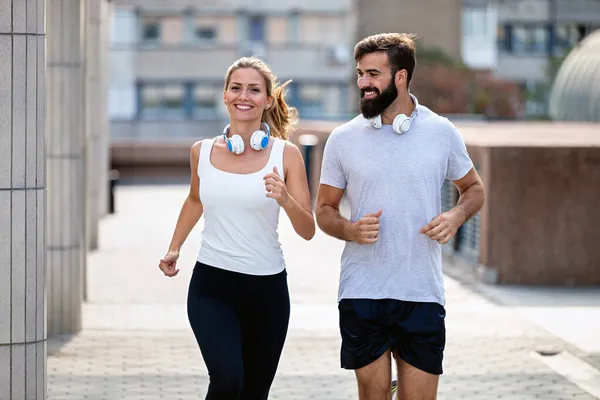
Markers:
<point>279,116</point>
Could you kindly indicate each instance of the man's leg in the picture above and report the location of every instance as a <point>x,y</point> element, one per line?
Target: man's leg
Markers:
<point>419,343</point>
<point>374,379</point>
<point>366,344</point>
<point>415,384</point>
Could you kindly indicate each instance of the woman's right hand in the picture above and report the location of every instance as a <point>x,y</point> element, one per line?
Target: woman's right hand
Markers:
<point>168,264</point>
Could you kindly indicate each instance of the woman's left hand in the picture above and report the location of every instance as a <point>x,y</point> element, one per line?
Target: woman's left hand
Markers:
<point>276,188</point>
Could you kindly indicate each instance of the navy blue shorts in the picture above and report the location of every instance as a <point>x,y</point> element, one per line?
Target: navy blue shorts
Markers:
<point>414,331</point>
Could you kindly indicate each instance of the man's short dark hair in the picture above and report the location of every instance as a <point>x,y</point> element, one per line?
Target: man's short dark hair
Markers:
<point>400,48</point>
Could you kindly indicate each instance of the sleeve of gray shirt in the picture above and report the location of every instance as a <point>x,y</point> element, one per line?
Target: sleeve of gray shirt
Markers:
<point>459,162</point>
<point>332,172</point>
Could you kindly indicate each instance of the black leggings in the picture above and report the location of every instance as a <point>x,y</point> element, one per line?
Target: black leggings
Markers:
<point>240,322</point>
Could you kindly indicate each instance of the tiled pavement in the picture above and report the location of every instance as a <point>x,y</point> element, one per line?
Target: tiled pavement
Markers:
<point>136,342</point>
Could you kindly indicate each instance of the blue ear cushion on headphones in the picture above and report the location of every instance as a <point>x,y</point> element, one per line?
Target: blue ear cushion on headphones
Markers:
<point>260,138</point>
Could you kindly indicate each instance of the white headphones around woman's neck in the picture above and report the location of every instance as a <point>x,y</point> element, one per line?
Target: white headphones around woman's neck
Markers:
<point>258,141</point>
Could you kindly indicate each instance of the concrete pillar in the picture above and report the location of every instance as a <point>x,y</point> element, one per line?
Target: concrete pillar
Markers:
<point>66,165</point>
<point>22,201</point>
<point>96,115</point>
<point>104,142</point>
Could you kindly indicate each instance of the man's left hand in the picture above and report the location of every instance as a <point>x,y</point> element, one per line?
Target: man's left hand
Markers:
<point>443,227</point>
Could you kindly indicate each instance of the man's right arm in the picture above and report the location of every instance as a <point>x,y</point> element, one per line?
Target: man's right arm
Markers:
<point>328,214</point>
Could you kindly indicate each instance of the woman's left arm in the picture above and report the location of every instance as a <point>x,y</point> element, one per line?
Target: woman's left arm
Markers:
<point>293,194</point>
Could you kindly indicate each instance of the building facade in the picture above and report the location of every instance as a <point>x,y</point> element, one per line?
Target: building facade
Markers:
<point>443,31</point>
<point>525,40</point>
<point>168,62</point>
<point>479,22</point>
<point>533,32</point>
<point>527,34</point>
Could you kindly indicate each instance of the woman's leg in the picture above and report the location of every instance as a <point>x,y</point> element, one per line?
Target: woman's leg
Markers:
<point>217,329</point>
<point>264,330</point>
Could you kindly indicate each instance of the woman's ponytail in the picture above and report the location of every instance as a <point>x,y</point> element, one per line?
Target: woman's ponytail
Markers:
<point>280,116</point>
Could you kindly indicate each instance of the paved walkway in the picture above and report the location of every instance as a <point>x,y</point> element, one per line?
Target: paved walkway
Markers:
<point>136,342</point>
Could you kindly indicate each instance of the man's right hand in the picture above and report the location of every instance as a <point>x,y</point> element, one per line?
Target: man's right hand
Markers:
<point>366,229</point>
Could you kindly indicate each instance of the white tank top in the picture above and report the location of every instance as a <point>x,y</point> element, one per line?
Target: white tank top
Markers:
<point>240,221</point>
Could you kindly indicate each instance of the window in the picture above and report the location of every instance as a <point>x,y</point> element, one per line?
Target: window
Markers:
<point>123,29</point>
<point>468,23</point>
<point>524,39</point>
<point>503,38</point>
<point>310,100</point>
<point>150,101</point>
<point>200,29</point>
<point>344,97</point>
<point>519,39</point>
<point>204,101</point>
<point>294,27</point>
<point>172,100</point>
<point>539,39</point>
<point>475,22</point>
<point>256,28</point>
<point>161,101</point>
<point>205,33</point>
<point>121,101</point>
<point>179,100</point>
<point>321,100</point>
<point>568,35</point>
<point>149,29</point>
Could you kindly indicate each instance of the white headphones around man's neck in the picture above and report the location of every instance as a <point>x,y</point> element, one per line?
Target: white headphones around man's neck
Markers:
<point>401,123</point>
<point>258,141</point>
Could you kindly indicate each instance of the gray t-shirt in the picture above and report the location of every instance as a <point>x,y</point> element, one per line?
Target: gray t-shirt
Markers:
<point>402,175</point>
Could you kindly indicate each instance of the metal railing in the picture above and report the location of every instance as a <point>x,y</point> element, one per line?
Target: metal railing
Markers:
<point>466,243</point>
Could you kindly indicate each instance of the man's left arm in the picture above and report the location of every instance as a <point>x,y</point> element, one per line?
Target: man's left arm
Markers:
<point>472,197</point>
<point>463,174</point>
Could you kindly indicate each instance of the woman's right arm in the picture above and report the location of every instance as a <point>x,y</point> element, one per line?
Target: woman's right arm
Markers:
<point>191,211</point>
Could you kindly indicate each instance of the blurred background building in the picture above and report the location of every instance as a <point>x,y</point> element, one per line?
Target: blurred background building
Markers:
<point>169,60</point>
<point>533,38</point>
<point>416,17</point>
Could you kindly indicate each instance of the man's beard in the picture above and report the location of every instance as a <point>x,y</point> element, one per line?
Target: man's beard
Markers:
<point>371,108</point>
